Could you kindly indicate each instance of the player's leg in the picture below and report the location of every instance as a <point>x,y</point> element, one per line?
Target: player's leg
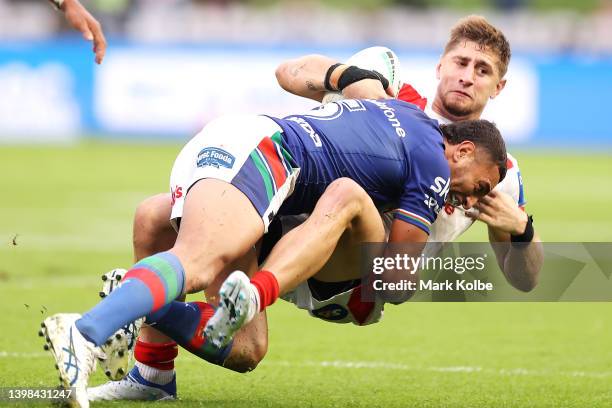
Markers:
<point>219,224</point>
<point>250,345</point>
<point>266,188</point>
<point>343,213</point>
<point>225,190</point>
<point>153,375</point>
<point>338,293</point>
<point>301,253</point>
<point>152,231</point>
<point>203,249</point>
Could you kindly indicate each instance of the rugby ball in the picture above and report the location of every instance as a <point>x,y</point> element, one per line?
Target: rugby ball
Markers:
<point>380,59</point>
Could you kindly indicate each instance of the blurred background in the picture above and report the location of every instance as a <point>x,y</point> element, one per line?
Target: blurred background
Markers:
<point>81,145</point>
<point>172,65</point>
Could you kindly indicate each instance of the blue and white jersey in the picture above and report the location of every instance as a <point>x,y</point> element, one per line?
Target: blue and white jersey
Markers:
<point>389,147</point>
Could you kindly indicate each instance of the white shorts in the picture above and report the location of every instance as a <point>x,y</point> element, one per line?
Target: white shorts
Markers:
<point>344,307</point>
<point>245,151</point>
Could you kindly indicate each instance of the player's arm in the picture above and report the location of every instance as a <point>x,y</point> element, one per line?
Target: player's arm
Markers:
<point>80,19</point>
<point>305,76</point>
<point>521,254</point>
<point>418,208</point>
<point>405,239</point>
<point>312,76</point>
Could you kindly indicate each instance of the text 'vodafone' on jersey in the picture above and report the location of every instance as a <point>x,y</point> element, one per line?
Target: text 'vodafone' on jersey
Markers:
<point>389,147</point>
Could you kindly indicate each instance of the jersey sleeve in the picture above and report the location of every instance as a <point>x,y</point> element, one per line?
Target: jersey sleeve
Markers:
<point>408,94</point>
<point>512,184</point>
<point>425,189</point>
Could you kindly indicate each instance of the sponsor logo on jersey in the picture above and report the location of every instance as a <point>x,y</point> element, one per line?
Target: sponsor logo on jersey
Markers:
<point>331,312</point>
<point>308,129</point>
<point>215,157</point>
<point>440,188</point>
<point>391,117</point>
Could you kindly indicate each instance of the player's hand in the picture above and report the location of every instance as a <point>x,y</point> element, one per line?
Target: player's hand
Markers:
<point>367,89</point>
<point>499,210</point>
<point>79,18</point>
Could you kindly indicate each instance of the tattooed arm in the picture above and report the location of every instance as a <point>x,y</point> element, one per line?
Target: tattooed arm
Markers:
<point>304,76</point>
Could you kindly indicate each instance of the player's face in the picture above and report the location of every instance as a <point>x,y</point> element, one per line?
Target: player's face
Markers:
<point>471,179</point>
<point>468,77</point>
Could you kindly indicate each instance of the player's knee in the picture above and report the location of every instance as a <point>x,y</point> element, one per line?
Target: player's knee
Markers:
<point>260,347</point>
<point>248,360</point>
<point>200,269</point>
<point>196,281</point>
<point>151,218</point>
<point>347,197</point>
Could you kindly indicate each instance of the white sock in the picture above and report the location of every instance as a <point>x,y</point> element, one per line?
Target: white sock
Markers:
<point>155,375</point>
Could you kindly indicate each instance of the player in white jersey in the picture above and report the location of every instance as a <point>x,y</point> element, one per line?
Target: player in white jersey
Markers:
<point>470,72</point>
<point>80,19</point>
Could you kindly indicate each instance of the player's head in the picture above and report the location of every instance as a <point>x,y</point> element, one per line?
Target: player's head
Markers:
<point>476,155</point>
<point>472,68</point>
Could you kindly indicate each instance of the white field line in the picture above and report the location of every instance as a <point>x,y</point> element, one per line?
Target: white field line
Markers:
<point>11,354</point>
<point>381,365</point>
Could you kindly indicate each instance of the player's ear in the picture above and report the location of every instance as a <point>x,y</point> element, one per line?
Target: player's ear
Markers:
<point>438,70</point>
<point>498,88</point>
<point>464,150</point>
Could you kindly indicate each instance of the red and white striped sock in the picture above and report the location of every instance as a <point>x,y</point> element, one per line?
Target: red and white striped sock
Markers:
<point>155,361</point>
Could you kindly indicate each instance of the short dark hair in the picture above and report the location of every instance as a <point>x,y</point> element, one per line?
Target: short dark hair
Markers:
<point>484,135</point>
<point>479,30</point>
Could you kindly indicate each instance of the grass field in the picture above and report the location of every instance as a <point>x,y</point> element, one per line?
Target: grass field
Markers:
<point>70,210</point>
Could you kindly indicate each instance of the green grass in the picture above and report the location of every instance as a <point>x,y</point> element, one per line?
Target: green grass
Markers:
<point>72,210</point>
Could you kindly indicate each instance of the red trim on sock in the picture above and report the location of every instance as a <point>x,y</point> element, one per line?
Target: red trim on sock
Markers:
<point>267,286</point>
<point>157,355</point>
<point>206,312</point>
<point>153,282</point>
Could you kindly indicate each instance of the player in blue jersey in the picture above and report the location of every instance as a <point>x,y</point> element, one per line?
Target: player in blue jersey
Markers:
<point>333,286</point>
<point>227,189</point>
<point>477,71</point>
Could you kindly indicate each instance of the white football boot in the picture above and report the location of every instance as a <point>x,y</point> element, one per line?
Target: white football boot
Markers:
<point>238,304</point>
<point>119,348</point>
<point>133,388</point>
<point>75,357</point>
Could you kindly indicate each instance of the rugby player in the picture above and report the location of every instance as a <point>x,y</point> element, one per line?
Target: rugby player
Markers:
<point>471,71</point>
<point>233,186</point>
<point>80,19</point>
<point>466,66</point>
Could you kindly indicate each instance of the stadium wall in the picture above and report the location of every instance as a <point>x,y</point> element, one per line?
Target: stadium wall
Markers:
<point>52,91</point>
